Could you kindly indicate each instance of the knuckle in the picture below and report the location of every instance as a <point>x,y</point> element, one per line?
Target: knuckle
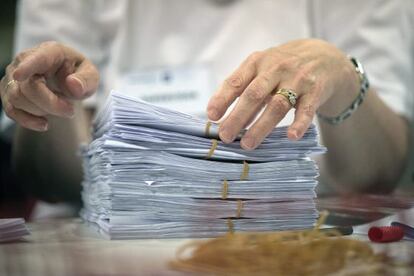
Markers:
<point>255,93</point>
<point>281,67</point>
<point>50,53</point>
<point>235,81</point>
<point>49,44</point>
<point>307,78</point>
<point>274,69</point>
<point>255,56</point>
<point>285,65</point>
<point>308,110</point>
<point>20,57</point>
<point>43,59</point>
<point>266,77</point>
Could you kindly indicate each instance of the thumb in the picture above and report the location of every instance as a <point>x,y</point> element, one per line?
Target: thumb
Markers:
<point>84,81</point>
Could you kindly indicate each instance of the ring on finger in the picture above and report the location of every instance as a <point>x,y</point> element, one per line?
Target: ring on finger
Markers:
<point>289,94</point>
<point>10,83</point>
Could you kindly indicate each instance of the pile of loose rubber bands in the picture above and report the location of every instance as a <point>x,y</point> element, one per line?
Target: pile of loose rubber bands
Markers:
<point>307,252</point>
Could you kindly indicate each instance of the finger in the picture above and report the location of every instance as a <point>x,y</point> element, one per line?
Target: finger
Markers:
<point>45,58</point>
<point>258,112</point>
<point>36,91</point>
<point>254,96</point>
<point>274,112</point>
<point>25,119</point>
<point>232,88</point>
<point>304,114</point>
<point>18,100</point>
<point>84,81</point>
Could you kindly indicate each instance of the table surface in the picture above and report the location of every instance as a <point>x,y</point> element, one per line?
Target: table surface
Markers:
<point>70,247</point>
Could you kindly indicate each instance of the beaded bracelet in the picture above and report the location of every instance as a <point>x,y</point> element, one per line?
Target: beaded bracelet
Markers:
<point>357,102</point>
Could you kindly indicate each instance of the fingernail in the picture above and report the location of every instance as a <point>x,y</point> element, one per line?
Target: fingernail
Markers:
<point>43,126</point>
<point>212,114</point>
<point>248,143</point>
<point>226,136</point>
<point>80,89</point>
<point>293,133</point>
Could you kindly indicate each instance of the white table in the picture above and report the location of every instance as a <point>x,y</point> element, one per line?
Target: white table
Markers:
<point>70,247</point>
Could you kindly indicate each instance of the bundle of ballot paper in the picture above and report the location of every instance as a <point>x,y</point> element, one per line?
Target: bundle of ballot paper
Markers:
<point>151,172</point>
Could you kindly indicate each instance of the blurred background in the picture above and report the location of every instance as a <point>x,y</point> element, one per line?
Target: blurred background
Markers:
<point>7,16</point>
<point>13,201</point>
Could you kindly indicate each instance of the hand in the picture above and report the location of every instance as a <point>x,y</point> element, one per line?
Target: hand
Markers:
<point>44,81</point>
<point>314,69</point>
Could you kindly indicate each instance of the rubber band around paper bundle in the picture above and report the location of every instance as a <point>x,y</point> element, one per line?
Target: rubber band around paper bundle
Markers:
<point>229,221</point>
<point>244,175</point>
<point>225,187</point>
<point>214,144</point>
<point>211,130</point>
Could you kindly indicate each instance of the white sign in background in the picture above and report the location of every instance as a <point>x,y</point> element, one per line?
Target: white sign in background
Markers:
<point>186,89</point>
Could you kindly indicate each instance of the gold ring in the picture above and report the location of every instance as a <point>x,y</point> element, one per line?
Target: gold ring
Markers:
<point>289,94</point>
<point>10,83</point>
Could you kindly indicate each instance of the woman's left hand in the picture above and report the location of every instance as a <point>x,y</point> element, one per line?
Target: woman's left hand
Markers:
<point>314,69</point>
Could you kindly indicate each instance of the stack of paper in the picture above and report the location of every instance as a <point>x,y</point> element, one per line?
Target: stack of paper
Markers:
<point>12,229</point>
<point>151,172</point>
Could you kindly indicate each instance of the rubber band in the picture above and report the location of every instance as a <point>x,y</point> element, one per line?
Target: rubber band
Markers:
<point>230,225</point>
<point>214,144</point>
<point>322,218</point>
<point>225,189</point>
<point>245,173</point>
<point>239,208</point>
<point>207,129</point>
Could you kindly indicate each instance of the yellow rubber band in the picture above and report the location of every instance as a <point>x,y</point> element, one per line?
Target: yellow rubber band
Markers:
<point>225,189</point>
<point>207,129</point>
<point>230,225</point>
<point>214,144</point>
<point>239,208</point>
<point>245,173</point>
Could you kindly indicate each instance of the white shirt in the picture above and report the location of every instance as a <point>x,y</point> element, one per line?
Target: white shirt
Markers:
<point>123,36</point>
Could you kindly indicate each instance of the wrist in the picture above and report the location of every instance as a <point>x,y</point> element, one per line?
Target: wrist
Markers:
<point>354,85</point>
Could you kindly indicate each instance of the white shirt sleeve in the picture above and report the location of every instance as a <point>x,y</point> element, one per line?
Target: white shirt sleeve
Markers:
<point>379,34</point>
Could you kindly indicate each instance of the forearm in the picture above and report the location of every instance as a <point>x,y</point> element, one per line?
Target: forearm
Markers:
<point>367,152</point>
<point>48,163</point>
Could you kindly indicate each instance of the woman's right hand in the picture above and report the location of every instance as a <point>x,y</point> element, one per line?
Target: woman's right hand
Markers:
<point>45,80</point>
